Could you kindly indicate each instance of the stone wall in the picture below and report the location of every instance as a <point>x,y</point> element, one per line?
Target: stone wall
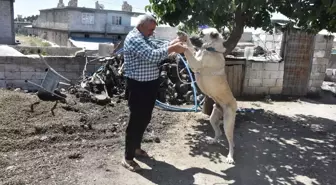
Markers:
<point>268,41</point>
<point>56,36</point>
<point>322,54</point>
<point>15,70</point>
<point>263,78</point>
<point>260,78</point>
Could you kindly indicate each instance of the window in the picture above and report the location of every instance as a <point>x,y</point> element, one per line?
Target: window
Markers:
<point>88,18</point>
<point>116,20</point>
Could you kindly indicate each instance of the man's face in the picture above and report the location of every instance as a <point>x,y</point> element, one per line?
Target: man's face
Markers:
<point>148,28</point>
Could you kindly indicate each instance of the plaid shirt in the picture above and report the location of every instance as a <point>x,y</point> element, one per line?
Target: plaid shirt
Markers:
<point>142,57</point>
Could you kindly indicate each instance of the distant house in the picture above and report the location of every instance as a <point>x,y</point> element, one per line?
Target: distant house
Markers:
<point>19,27</point>
<point>71,25</point>
<point>7,35</point>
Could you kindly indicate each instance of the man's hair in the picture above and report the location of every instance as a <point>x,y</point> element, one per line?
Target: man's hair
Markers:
<point>145,18</point>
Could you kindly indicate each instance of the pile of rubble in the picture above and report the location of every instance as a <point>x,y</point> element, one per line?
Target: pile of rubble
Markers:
<point>108,81</point>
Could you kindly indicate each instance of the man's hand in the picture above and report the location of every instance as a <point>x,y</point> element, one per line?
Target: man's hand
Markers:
<point>178,39</point>
<point>177,48</point>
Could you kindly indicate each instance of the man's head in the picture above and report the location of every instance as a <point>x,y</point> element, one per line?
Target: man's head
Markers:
<point>146,24</point>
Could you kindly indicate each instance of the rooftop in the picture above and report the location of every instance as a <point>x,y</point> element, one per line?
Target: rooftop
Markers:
<point>90,10</point>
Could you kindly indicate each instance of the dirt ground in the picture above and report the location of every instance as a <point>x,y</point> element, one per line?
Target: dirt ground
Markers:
<point>286,143</point>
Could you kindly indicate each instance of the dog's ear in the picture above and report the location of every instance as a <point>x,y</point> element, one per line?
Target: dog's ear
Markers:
<point>201,34</point>
<point>214,35</point>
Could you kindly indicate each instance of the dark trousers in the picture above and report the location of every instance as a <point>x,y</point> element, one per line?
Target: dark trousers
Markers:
<point>141,101</point>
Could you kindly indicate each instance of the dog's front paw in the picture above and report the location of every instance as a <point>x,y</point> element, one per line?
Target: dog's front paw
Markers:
<point>229,159</point>
<point>182,35</point>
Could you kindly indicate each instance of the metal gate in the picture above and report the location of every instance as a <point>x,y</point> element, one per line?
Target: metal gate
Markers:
<point>298,51</point>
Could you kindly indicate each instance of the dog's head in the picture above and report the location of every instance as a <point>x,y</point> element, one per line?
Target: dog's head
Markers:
<point>209,38</point>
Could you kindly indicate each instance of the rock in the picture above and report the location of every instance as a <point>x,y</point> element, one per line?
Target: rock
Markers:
<point>10,168</point>
<point>113,129</point>
<point>157,140</point>
<point>17,89</point>
<point>75,156</point>
<point>44,138</point>
<point>115,124</point>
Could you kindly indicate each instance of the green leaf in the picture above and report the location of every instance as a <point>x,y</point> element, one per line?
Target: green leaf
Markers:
<point>326,2</point>
<point>192,2</point>
<point>220,13</point>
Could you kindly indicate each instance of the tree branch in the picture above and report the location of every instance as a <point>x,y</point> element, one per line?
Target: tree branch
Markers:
<point>236,33</point>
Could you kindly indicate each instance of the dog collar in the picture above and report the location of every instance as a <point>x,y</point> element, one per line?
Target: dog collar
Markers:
<point>212,49</point>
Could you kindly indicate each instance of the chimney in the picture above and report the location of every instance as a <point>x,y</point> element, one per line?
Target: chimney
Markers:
<point>73,3</point>
<point>99,6</point>
<point>60,4</point>
<point>126,7</point>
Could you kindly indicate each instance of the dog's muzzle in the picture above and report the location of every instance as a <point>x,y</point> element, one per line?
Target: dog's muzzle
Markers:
<point>196,41</point>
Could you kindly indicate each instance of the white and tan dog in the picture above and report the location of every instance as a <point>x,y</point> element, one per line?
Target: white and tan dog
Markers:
<point>208,64</point>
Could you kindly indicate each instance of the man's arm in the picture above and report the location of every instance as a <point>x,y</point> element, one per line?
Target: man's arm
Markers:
<point>146,52</point>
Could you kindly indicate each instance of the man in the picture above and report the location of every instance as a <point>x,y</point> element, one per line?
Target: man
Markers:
<point>141,69</point>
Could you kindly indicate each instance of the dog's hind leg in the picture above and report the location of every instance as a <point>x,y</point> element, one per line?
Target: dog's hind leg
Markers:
<point>229,125</point>
<point>215,117</point>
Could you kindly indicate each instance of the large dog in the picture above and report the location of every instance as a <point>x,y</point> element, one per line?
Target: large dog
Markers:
<point>208,64</point>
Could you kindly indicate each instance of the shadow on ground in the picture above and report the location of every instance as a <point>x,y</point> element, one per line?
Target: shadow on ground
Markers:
<point>274,149</point>
<point>325,97</point>
<point>167,174</point>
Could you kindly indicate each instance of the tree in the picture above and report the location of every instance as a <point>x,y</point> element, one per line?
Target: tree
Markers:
<point>31,18</point>
<point>235,15</point>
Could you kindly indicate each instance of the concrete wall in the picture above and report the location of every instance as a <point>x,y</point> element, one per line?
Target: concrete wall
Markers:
<point>15,70</point>
<point>332,61</point>
<point>53,19</point>
<point>7,34</point>
<point>322,54</point>
<point>71,19</point>
<point>263,78</point>
<point>50,51</point>
<point>102,22</point>
<point>269,42</point>
<point>19,27</point>
<point>260,78</point>
<point>58,37</point>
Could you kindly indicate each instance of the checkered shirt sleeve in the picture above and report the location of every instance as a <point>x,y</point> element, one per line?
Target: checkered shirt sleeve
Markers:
<point>141,57</point>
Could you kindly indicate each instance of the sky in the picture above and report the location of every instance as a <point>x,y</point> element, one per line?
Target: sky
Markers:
<point>32,7</point>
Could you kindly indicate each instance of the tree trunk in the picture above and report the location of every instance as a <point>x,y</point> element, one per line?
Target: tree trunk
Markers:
<point>237,32</point>
<point>207,105</point>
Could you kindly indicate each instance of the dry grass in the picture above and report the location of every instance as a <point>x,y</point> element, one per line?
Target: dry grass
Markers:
<point>31,41</point>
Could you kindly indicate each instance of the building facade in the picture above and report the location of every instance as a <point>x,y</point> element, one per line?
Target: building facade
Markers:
<point>7,35</point>
<point>58,25</point>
